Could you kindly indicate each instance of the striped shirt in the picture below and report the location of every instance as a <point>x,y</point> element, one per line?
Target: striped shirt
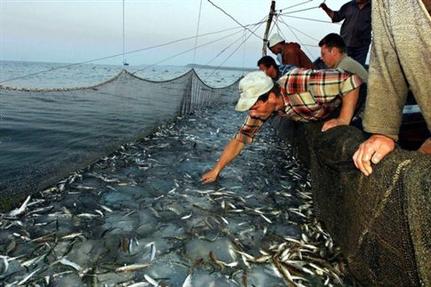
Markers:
<point>309,95</point>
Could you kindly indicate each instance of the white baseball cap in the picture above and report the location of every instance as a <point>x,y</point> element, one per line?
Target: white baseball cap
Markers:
<point>251,87</point>
<point>274,40</point>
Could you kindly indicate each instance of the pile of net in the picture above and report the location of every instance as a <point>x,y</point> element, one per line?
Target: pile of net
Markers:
<point>381,222</point>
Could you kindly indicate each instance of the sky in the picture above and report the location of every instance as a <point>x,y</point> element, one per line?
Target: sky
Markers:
<point>71,31</point>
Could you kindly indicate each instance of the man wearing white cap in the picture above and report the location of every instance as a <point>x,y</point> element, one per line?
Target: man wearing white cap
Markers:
<point>288,53</point>
<point>304,95</point>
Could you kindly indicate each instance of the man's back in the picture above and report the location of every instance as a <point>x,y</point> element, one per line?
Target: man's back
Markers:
<point>350,65</point>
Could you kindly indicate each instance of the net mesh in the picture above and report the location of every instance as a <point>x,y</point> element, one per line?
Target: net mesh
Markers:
<point>381,222</point>
<point>47,133</point>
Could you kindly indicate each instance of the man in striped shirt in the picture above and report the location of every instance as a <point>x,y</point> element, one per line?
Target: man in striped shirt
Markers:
<point>301,95</point>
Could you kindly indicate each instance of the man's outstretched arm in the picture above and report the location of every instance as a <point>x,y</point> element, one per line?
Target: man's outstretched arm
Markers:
<point>387,92</point>
<point>230,152</point>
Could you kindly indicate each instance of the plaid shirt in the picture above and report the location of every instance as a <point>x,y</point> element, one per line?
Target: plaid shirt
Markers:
<point>309,95</point>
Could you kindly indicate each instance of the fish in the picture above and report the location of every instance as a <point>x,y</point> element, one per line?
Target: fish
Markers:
<point>152,245</point>
<point>187,216</point>
<point>151,280</point>
<point>132,267</point>
<point>72,235</point>
<point>21,209</point>
<point>5,261</point>
<point>188,281</point>
<point>67,262</point>
<point>139,284</point>
<point>265,218</point>
<point>25,279</point>
<point>88,215</point>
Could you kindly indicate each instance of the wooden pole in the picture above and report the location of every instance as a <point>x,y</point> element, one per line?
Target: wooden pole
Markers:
<point>268,26</point>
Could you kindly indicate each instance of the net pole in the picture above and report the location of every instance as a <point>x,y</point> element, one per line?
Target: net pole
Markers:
<point>268,26</point>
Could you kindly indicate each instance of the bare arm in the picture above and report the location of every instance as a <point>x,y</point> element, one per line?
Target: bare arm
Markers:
<point>346,113</point>
<point>230,152</point>
<point>387,92</point>
<point>293,55</point>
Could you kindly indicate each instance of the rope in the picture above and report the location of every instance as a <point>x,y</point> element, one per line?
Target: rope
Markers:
<point>309,19</point>
<point>230,45</point>
<point>301,10</point>
<point>120,54</point>
<point>278,29</point>
<point>296,5</point>
<point>124,34</point>
<point>296,36</point>
<point>231,54</point>
<point>275,24</point>
<point>224,49</point>
<point>303,33</point>
<point>244,35</point>
<point>197,31</point>
<point>236,21</point>
<point>186,51</point>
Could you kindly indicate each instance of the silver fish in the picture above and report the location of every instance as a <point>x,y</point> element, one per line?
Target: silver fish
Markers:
<point>21,209</point>
<point>132,267</point>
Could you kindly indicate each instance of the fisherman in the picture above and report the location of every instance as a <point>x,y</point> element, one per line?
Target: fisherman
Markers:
<point>333,54</point>
<point>268,65</point>
<point>305,95</point>
<point>400,59</point>
<point>356,28</point>
<point>288,53</point>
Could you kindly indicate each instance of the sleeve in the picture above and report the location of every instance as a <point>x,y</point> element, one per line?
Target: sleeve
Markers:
<point>351,83</point>
<point>340,15</point>
<point>248,130</point>
<point>387,87</point>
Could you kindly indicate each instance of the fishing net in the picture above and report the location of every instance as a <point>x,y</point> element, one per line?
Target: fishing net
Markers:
<point>47,133</point>
<point>382,222</point>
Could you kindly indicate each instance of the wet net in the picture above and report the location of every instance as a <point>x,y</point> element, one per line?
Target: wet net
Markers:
<point>47,133</point>
<point>381,222</point>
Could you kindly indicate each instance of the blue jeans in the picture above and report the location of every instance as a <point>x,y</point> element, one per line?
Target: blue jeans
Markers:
<point>358,53</point>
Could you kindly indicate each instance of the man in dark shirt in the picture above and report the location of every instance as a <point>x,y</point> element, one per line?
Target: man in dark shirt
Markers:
<point>356,28</point>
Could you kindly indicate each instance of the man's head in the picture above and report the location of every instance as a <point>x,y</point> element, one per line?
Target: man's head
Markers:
<point>332,49</point>
<point>258,94</point>
<point>276,43</point>
<point>268,65</point>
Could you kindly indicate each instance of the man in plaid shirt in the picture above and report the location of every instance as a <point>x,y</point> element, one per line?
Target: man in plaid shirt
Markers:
<point>301,95</point>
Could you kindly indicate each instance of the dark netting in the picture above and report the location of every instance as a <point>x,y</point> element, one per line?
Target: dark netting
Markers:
<point>47,133</point>
<point>382,222</point>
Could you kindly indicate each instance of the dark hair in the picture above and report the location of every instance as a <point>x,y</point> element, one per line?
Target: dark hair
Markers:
<point>333,40</point>
<point>267,61</point>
